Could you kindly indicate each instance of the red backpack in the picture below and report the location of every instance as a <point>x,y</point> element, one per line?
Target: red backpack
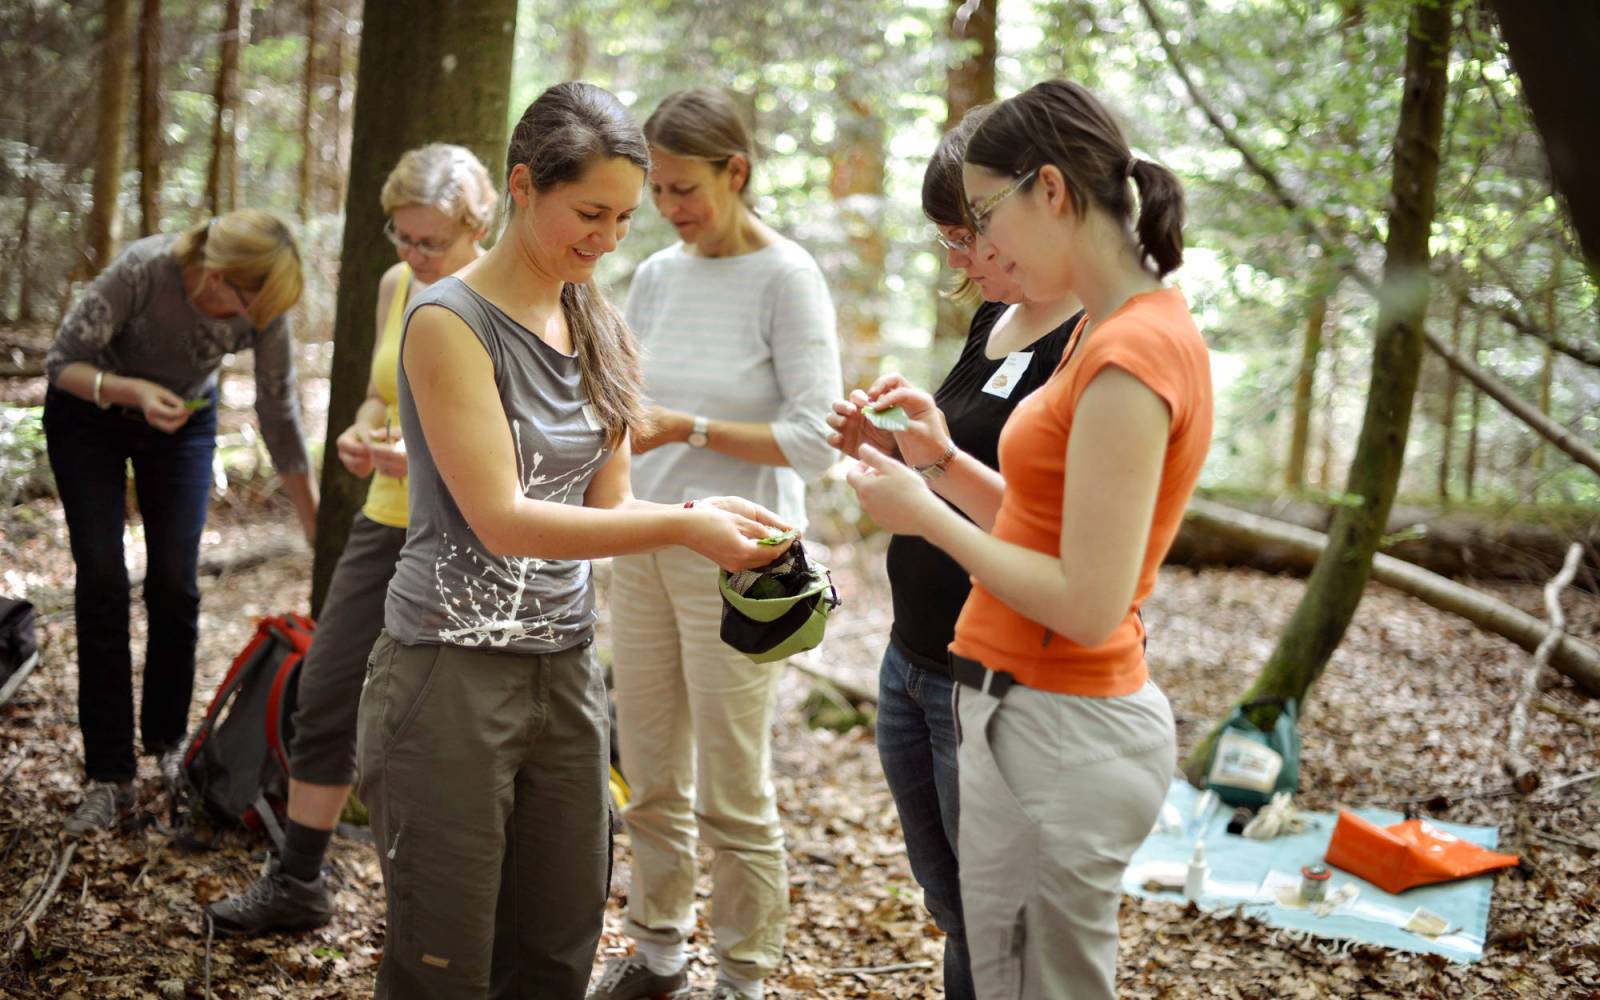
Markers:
<point>237,761</point>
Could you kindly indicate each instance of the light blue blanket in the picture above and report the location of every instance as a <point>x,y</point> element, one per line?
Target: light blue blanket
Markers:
<point>1248,871</point>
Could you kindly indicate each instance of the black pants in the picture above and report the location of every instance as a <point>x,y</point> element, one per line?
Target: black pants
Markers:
<point>89,452</point>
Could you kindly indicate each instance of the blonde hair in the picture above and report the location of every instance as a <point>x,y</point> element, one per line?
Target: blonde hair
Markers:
<point>446,177</point>
<point>703,123</point>
<point>256,251</point>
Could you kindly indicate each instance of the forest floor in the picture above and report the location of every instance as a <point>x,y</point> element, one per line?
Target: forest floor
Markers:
<point>1413,706</point>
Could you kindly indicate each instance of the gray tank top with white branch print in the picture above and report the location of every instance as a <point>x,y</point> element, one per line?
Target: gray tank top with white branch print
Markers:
<point>448,588</point>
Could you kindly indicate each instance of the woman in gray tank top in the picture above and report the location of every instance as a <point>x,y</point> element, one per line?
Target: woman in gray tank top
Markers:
<point>483,741</point>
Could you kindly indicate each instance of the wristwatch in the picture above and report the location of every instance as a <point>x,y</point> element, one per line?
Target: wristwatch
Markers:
<point>697,435</point>
<point>934,470</point>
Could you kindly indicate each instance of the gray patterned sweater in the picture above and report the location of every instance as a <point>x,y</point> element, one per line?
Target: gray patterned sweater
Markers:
<point>135,319</point>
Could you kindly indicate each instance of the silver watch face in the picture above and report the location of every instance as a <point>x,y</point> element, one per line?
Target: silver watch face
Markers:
<point>697,440</point>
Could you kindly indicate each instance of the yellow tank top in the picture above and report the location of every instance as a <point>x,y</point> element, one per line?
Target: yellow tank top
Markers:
<point>387,502</point>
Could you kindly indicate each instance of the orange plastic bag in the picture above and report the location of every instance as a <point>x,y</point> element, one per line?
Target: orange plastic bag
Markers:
<point>1407,854</point>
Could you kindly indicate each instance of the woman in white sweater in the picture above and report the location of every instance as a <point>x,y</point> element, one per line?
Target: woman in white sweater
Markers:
<point>741,363</point>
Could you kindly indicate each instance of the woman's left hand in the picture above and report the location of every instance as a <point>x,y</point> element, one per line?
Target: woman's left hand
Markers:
<point>895,497</point>
<point>666,427</point>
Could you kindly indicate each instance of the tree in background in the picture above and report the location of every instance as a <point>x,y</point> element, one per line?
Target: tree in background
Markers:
<point>150,118</point>
<point>968,83</point>
<point>105,220</point>
<point>427,72</point>
<point>1340,577</point>
<point>223,175</point>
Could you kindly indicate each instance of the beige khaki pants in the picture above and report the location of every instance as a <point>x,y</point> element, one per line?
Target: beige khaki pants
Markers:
<point>1056,794</point>
<point>694,720</point>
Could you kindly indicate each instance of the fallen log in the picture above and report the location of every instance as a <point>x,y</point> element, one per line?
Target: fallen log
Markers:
<point>1573,658</point>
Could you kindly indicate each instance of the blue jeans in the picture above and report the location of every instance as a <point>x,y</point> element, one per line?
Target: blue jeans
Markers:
<point>89,450</point>
<point>917,745</point>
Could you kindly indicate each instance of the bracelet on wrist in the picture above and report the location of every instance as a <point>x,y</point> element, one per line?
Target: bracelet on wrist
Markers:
<point>99,378</point>
<point>933,470</point>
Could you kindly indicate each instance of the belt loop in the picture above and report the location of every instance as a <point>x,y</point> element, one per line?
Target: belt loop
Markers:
<point>988,679</point>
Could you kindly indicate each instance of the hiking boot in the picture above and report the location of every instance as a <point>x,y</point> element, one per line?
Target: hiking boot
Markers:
<point>629,978</point>
<point>274,902</point>
<point>726,991</point>
<point>170,764</point>
<point>104,805</point>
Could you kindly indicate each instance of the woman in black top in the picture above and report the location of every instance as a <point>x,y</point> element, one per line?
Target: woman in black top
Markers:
<point>1012,347</point>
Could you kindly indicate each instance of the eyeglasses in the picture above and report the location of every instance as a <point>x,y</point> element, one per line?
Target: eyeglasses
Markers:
<point>984,211</point>
<point>428,248</point>
<point>244,303</point>
<point>963,245</point>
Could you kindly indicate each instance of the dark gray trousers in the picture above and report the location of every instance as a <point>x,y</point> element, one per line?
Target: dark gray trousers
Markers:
<point>485,775</point>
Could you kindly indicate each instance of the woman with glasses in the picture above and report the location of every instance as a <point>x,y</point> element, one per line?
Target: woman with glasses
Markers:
<point>1067,746</point>
<point>440,201</point>
<point>1012,346</point>
<point>133,378</point>
<point>741,359</point>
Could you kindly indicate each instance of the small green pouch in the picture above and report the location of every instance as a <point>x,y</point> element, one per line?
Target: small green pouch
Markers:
<point>1247,765</point>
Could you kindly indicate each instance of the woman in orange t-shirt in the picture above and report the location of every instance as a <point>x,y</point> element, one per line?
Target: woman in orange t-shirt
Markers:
<point>1067,745</point>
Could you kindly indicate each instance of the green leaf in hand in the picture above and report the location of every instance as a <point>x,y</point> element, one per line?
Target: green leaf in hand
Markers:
<point>890,418</point>
<point>778,539</point>
<point>197,404</point>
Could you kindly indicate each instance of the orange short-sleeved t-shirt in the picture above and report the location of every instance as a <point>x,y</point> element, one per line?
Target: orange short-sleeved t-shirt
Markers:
<point>1154,338</point>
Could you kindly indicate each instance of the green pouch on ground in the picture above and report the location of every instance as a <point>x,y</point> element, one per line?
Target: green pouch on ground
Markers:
<point>778,610</point>
<point>1248,765</point>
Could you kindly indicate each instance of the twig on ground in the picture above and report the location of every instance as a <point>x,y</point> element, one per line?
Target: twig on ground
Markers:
<point>38,910</point>
<point>1574,780</point>
<point>876,970</point>
<point>1521,768</point>
<point>1561,838</point>
<point>1567,714</point>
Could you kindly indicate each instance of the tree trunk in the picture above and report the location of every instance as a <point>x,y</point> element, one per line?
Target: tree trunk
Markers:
<point>1330,399</point>
<point>150,118</point>
<point>1550,46</point>
<point>111,119</point>
<point>308,116</point>
<point>223,174</point>
<point>967,84</point>
<point>1336,585</point>
<point>1572,657</point>
<point>428,72</point>
<point>1474,413</point>
<point>1547,372</point>
<point>345,56</point>
<point>1294,475</point>
<point>24,263</point>
<point>1447,412</point>
<point>856,184</point>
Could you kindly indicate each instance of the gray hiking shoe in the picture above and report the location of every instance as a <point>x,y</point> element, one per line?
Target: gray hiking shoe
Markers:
<point>274,902</point>
<point>104,805</point>
<point>170,764</point>
<point>629,978</point>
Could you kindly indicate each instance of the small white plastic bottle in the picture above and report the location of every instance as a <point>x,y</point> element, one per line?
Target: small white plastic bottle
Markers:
<point>1194,882</point>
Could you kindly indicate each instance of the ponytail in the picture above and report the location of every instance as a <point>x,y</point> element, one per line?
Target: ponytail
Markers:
<point>1159,226</point>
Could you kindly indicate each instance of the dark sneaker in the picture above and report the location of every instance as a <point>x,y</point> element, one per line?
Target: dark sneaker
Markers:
<point>104,805</point>
<point>274,902</point>
<point>629,978</point>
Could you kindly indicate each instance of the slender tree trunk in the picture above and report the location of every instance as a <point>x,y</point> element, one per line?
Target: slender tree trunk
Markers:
<point>150,118</point>
<point>577,45</point>
<point>30,187</point>
<point>1474,414</point>
<point>1341,574</point>
<point>428,72</point>
<point>856,184</point>
<point>1447,411</point>
<point>1294,475</point>
<point>308,113</point>
<point>1548,371</point>
<point>1330,399</point>
<point>967,84</point>
<point>345,59</point>
<point>222,176</point>
<point>111,119</point>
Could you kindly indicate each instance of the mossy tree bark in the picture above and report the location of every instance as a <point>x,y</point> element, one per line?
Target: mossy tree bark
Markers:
<point>1341,573</point>
<point>428,72</point>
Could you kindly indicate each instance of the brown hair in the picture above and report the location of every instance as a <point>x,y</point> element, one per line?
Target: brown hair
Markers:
<point>1060,123</point>
<point>703,123</point>
<point>568,128</point>
<point>445,177</point>
<point>944,199</point>
<point>255,250</point>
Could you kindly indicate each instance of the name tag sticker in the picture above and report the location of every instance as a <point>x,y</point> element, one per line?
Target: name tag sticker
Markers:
<point>1010,372</point>
<point>591,418</point>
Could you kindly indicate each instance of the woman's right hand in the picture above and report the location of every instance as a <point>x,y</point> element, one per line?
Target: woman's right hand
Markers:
<point>727,530</point>
<point>928,438</point>
<point>163,409</point>
<point>850,428</point>
<point>355,449</point>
